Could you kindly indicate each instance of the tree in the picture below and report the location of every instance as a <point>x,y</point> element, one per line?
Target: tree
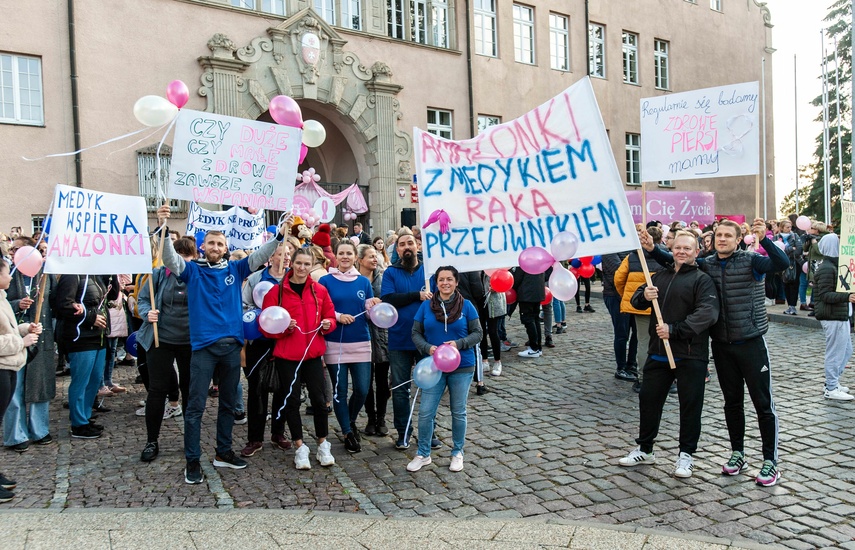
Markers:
<point>788,203</point>
<point>839,21</point>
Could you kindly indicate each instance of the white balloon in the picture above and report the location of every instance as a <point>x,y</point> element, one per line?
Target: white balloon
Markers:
<point>314,133</point>
<point>564,245</point>
<point>562,283</point>
<point>274,319</point>
<point>153,110</point>
<point>259,291</point>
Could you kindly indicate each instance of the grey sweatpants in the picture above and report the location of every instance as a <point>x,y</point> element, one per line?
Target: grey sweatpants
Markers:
<point>642,326</point>
<point>838,350</point>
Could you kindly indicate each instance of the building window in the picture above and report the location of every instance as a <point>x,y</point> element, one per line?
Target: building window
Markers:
<point>559,42</point>
<point>439,123</point>
<point>660,57</point>
<point>692,1</point>
<point>630,57</point>
<point>666,183</point>
<point>715,5</point>
<point>597,50</point>
<point>633,159</point>
<point>21,90</point>
<point>38,223</point>
<point>351,14</point>
<point>422,21</point>
<point>524,34</point>
<point>485,121</point>
<point>485,27</point>
<point>326,9</point>
<point>276,7</point>
<point>147,173</point>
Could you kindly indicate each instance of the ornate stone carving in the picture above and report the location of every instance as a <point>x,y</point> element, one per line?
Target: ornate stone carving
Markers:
<point>358,107</point>
<point>253,52</point>
<point>337,91</point>
<point>764,10</point>
<point>165,150</point>
<point>359,70</point>
<point>282,81</point>
<point>257,93</point>
<point>381,69</point>
<point>221,46</point>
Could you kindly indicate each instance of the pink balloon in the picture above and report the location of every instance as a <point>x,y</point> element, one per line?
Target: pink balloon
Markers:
<point>303,152</point>
<point>274,319</point>
<point>284,110</point>
<point>805,267</point>
<point>177,93</point>
<point>803,223</point>
<point>535,260</point>
<point>446,358</point>
<point>748,239</point>
<point>28,261</point>
<point>781,245</point>
<point>355,240</point>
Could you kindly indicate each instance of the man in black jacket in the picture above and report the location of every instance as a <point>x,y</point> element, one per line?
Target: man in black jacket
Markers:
<point>738,347</point>
<point>689,308</point>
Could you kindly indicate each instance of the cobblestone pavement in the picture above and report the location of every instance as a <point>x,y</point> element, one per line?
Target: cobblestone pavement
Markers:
<point>543,444</point>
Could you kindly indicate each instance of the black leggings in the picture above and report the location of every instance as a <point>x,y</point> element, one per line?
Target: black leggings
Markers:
<point>311,373</point>
<point>8,380</point>
<point>587,282</point>
<point>163,382</point>
<point>258,352</point>
<point>375,406</point>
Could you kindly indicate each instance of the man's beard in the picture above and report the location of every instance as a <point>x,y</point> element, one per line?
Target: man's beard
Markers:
<point>409,260</point>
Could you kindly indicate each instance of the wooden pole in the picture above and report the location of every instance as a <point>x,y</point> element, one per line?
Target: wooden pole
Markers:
<point>151,280</point>
<point>42,283</point>
<point>656,307</point>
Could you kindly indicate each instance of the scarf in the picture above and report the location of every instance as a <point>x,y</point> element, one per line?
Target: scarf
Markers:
<point>447,312</point>
<point>345,276</point>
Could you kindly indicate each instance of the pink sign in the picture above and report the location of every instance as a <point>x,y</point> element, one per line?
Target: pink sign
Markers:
<point>669,206</point>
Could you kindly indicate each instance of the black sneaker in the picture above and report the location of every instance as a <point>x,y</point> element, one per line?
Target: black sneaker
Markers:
<point>21,447</point>
<point>150,451</point>
<point>402,444</point>
<point>229,460</point>
<point>382,429</point>
<point>548,343</point>
<point>589,309</point>
<point>624,375</point>
<point>7,483</point>
<point>370,428</point>
<point>98,427</point>
<point>86,431</point>
<point>240,418</point>
<point>579,309</point>
<point>636,386</point>
<point>6,496</point>
<point>480,390</point>
<point>435,443</point>
<point>46,440</point>
<point>351,444</point>
<point>193,473</point>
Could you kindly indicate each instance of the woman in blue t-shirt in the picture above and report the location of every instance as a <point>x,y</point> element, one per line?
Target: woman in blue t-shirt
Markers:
<point>447,318</point>
<point>349,345</point>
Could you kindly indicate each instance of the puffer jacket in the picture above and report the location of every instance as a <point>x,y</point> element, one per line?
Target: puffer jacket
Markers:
<point>379,336</point>
<point>13,354</point>
<point>743,309</point>
<point>309,310</point>
<point>530,288</point>
<point>94,295</point>
<point>629,276</point>
<point>829,305</point>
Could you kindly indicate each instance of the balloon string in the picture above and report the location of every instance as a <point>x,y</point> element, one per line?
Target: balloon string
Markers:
<point>160,191</point>
<point>91,146</point>
<point>156,130</point>
<point>297,371</point>
<point>257,363</point>
<point>410,419</point>
<point>85,286</point>
<point>338,370</point>
<point>402,384</point>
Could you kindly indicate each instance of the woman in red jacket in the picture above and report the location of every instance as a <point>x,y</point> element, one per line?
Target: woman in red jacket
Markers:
<point>298,352</point>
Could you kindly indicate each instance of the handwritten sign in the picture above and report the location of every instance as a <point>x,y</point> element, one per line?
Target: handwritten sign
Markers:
<point>518,184</point>
<point>95,233</point>
<point>243,230</point>
<point>709,133</point>
<point>846,262</point>
<point>233,161</point>
<point>672,206</point>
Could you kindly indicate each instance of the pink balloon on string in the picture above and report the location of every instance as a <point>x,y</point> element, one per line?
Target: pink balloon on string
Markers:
<point>316,177</point>
<point>177,93</point>
<point>535,260</point>
<point>748,239</point>
<point>284,110</point>
<point>28,261</point>
<point>274,320</point>
<point>446,358</point>
<point>803,223</point>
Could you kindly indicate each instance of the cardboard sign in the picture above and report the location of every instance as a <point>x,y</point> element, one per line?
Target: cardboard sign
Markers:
<point>233,161</point>
<point>846,262</point>
<point>243,230</point>
<point>96,233</point>
<point>709,133</point>
<point>518,184</point>
<point>672,206</point>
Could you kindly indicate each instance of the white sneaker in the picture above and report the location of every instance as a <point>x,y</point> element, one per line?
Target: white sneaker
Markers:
<point>140,411</point>
<point>497,369</point>
<point>505,347</point>
<point>685,465</point>
<point>844,389</point>
<point>769,302</point>
<point>301,458</point>
<point>530,353</point>
<point>636,457</point>
<point>171,411</point>
<point>456,463</point>
<point>838,395</point>
<point>325,457</point>
<point>416,464</point>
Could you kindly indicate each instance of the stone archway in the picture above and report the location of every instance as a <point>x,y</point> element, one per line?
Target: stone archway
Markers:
<point>304,58</point>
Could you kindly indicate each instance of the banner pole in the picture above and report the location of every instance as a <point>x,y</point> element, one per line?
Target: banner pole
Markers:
<point>41,301</point>
<point>656,309</point>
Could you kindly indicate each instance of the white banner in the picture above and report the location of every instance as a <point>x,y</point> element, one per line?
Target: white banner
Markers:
<point>95,233</point>
<point>709,133</point>
<point>242,229</point>
<point>517,184</point>
<point>233,161</point>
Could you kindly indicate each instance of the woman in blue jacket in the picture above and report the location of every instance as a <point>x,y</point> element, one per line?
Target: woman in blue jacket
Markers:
<point>447,318</point>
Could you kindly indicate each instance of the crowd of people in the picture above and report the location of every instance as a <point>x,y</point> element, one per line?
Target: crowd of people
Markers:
<point>192,320</point>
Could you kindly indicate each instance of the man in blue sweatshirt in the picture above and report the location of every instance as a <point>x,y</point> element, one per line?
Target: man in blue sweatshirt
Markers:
<point>216,336</point>
<point>403,287</point>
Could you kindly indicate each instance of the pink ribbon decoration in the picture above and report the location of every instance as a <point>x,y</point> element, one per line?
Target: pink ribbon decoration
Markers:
<point>439,216</point>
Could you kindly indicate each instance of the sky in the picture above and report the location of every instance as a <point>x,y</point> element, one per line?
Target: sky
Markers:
<point>796,31</point>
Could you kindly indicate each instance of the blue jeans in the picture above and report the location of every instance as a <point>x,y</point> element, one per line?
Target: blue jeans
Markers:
<point>400,369</point>
<point>25,421</point>
<point>112,344</point>
<point>803,285</point>
<point>346,412</point>
<point>87,370</point>
<point>560,310</point>
<point>458,393</point>
<point>224,353</point>
<point>622,322</point>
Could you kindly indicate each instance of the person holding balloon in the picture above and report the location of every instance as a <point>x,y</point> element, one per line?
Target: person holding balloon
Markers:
<point>348,348</point>
<point>447,329</point>
<point>297,314</point>
<point>259,351</point>
<point>170,311</point>
<point>375,401</point>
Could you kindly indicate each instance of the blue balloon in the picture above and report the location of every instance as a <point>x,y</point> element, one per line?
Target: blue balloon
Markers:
<point>575,262</point>
<point>272,229</point>
<point>131,344</point>
<point>250,325</point>
<point>200,239</point>
<point>597,260</point>
<point>426,375</point>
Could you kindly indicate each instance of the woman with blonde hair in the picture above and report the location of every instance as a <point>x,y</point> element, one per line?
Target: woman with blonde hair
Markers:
<point>320,262</point>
